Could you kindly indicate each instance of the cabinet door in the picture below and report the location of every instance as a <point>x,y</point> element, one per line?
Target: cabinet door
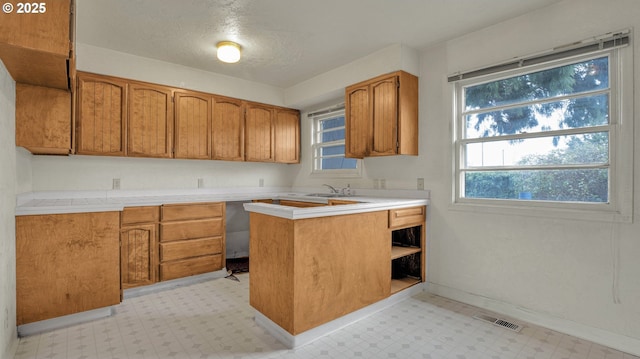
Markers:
<point>357,121</point>
<point>192,125</point>
<point>66,264</point>
<point>43,119</point>
<point>287,136</point>
<point>384,116</point>
<point>139,256</point>
<point>100,115</point>
<point>259,133</point>
<point>227,129</point>
<point>150,130</point>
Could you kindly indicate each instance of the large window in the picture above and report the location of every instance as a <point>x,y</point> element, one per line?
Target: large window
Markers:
<point>328,146</point>
<point>547,134</point>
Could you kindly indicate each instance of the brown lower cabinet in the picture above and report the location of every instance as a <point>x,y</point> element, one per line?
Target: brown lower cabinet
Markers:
<point>139,246</point>
<point>66,263</point>
<point>192,239</point>
<point>167,242</point>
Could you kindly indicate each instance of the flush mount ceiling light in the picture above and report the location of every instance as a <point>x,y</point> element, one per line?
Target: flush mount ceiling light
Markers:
<point>228,51</point>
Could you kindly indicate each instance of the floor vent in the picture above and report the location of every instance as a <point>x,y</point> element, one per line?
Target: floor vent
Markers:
<point>499,322</point>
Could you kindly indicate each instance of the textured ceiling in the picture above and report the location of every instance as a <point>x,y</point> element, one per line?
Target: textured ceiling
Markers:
<point>284,42</point>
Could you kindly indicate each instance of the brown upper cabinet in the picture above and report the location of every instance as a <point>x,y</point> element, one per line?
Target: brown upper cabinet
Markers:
<point>121,117</point>
<point>150,125</point>
<point>227,129</point>
<point>258,143</point>
<point>287,136</point>
<point>192,125</point>
<point>381,116</point>
<point>101,115</point>
<point>37,47</point>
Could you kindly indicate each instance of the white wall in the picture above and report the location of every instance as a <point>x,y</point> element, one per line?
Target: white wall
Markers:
<point>578,276</point>
<point>8,334</point>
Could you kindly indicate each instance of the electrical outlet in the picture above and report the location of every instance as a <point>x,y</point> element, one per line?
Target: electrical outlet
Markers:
<point>200,183</point>
<point>383,183</point>
<point>116,183</point>
<point>420,184</point>
<point>261,182</point>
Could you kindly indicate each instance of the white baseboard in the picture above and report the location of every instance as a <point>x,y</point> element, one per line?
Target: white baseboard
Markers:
<point>174,283</point>
<point>293,341</point>
<point>64,321</point>
<point>612,340</point>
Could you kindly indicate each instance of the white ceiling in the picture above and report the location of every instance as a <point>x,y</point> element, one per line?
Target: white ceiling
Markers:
<point>284,42</point>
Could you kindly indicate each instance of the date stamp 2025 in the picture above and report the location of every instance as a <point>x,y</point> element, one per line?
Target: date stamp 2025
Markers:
<point>25,8</point>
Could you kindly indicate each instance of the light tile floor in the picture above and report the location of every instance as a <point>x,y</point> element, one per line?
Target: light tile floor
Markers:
<point>213,320</point>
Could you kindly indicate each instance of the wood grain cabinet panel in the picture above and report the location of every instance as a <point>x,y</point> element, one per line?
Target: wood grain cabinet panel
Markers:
<point>287,136</point>
<point>101,115</point>
<point>180,212</point>
<point>357,126</point>
<point>139,246</point>
<point>259,144</point>
<point>194,248</point>
<point>36,47</point>
<point>227,129</point>
<point>139,255</point>
<point>43,119</point>
<point>381,116</point>
<point>191,266</point>
<point>66,263</point>
<point>192,125</point>
<point>384,117</point>
<point>307,272</point>
<point>192,239</point>
<point>178,230</point>
<point>150,123</point>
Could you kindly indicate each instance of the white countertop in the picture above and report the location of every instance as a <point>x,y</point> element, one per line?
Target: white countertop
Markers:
<point>365,204</point>
<point>56,202</point>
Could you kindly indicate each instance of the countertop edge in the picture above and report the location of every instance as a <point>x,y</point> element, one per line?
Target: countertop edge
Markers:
<point>295,213</point>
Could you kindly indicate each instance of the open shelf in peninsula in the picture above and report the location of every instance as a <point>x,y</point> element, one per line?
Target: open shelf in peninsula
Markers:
<point>401,251</point>
<point>403,283</point>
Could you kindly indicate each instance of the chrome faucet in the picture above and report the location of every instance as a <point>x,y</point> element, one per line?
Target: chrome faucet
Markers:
<point>333,190</point>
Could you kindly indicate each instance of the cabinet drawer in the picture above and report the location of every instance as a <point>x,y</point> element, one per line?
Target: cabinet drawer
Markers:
<point>192,266</point>
<point>174,231</point>
<point>406,216</point>
<point>179,212</point>
<point>190,248</point>
<point>131,215</point>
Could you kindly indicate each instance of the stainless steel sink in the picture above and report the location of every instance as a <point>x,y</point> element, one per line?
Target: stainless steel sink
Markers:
<point>323,194</point>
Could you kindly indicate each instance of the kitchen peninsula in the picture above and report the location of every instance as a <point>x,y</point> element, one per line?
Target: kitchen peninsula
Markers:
<point>311,266</point>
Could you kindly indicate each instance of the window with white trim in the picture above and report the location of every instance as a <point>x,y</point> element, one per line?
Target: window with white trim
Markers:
<point>548,135</point>
<point>328,146</point>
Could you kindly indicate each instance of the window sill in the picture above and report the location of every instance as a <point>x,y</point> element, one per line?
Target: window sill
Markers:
<point>543,210</point>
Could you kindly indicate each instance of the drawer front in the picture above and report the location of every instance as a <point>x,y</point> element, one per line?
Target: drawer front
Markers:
<point>180,212</point>
<point>406,216</point>
<point>174,231</point>
<point>191,248</point>
<point>192,266</point>
<point>133,215</point>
